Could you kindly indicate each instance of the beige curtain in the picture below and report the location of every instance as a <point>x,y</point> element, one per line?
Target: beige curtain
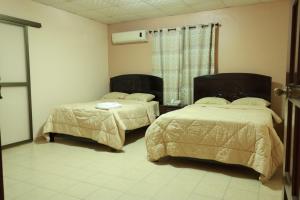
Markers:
<point>180,55</point>
<point>198,58</point>
<point>167,59</point>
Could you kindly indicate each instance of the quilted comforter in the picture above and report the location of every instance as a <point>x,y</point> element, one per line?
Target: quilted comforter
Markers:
<point>231,134</point>
<point>104,126</point>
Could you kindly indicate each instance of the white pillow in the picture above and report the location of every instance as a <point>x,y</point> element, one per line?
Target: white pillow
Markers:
<point>251,101</point>
<point>140,97</point>
<point>115,95</point>
<point>212,100</point>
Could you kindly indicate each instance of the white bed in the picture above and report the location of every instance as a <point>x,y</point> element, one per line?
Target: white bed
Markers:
<point>104,126</point>
<point>231,134</point>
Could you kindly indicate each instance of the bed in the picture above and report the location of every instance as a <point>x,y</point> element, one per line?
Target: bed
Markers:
<point>108,127</point>
<point>232,134</point>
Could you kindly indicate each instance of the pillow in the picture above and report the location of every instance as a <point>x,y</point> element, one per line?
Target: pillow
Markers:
<point>212,100</point>
<point>251,101</point>
<point>115,95</point>
<point>140,97</point>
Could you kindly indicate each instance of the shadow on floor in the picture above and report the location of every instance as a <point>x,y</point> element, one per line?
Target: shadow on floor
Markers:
<point>210,166</point>
<point>131,137</point>
<point>237,171</point>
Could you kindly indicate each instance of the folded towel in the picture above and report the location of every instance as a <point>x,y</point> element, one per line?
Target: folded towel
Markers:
<point>108,105</point>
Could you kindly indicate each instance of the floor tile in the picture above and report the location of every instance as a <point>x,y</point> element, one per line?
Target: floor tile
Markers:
<point>73,170</point>
<point>18,189</point>
<point>244,184</point>
<point>144,189</point>
<point>270,191</point>
<point>18,173</point>
<point>216,178</point>
<point>57,184</point>
<point>120,184</point>
<point>193,172</point>
<point>36,193</point>
<point>272,187</point>
<point>159,178</point>
<point>81,190</point>
<point>172,193</point>
<point>236,194</point>
<point>211,190</point>
<point>187,179</point>
<point>98,179</point>
<point>268,196</point>
<point>62,197</point>
<point>9,182</point>
<point>135,174</point>
<point>201,197</point>
<point>132,197</point>
<point>104,194</point>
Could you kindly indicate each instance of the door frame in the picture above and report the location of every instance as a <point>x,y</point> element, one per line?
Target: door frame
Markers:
<point>5,19</point>
<point>1,174</point>
<point>26,84</point>
<point>291,169</point>
<point>23,23</point>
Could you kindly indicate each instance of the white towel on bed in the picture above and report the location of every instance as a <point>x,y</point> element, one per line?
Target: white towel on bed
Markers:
<point>108,105</point>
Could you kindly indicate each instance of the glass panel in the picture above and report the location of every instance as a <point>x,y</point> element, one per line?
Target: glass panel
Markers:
<point>12,53</point>
<point>14,117</point>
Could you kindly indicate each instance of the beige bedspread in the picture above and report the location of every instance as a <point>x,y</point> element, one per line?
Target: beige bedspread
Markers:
<point>104,126</point>
<point>230,134</point>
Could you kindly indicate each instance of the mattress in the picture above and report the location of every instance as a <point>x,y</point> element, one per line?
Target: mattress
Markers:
<point>233,134</point>
<point>104,126</point>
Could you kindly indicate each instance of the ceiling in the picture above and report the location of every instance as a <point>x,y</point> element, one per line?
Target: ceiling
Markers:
<point>116,11</point>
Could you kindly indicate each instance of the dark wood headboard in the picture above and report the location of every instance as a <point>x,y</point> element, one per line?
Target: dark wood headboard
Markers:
<point>138,83</point>
<point>232,86</point>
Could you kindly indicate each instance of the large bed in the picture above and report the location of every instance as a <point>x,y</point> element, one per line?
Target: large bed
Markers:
<point>233,134</point>
<point>109,126</point>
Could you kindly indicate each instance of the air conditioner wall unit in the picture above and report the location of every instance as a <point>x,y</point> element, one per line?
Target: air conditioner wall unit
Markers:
<point>129,37</point>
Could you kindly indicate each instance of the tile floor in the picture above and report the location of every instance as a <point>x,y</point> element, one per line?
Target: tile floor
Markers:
<point>72,170</point>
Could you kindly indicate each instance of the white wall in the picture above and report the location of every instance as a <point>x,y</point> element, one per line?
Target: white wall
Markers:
<point>68,57</point>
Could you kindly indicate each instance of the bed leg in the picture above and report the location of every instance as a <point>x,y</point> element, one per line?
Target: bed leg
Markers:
<point>51,135</point>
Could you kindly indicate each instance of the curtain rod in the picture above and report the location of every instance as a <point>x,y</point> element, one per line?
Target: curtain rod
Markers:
<point>190,27</point>
<point>19,21</point>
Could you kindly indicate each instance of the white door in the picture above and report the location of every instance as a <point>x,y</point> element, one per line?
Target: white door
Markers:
<point>15,105</point>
